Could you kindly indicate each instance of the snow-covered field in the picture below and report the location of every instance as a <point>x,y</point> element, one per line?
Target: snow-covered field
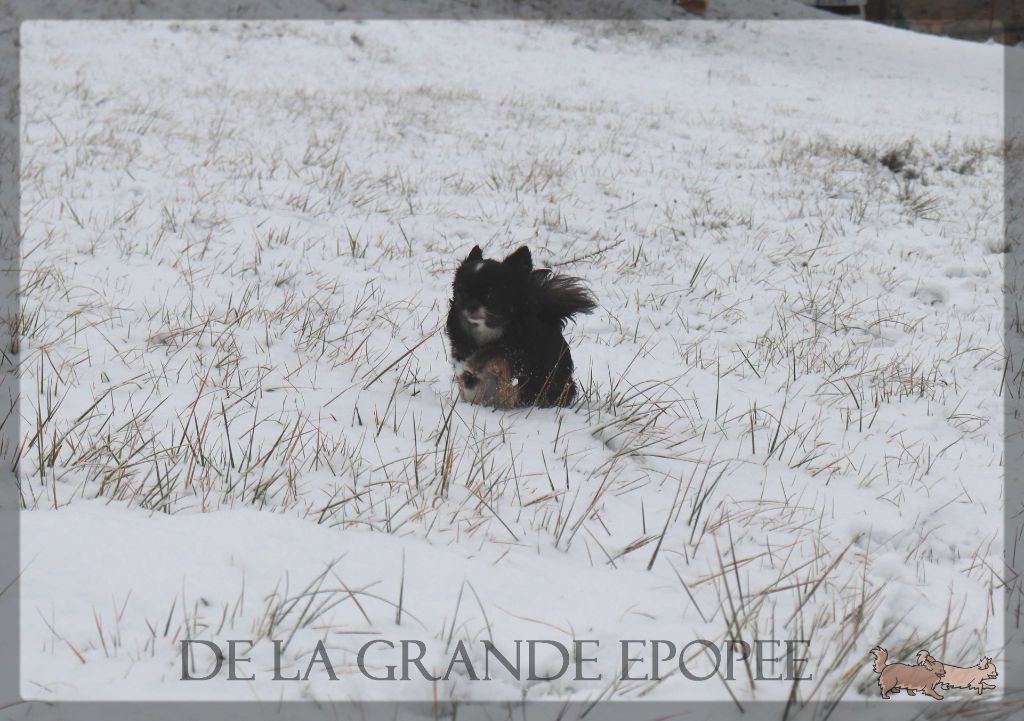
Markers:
<point>238,419</point>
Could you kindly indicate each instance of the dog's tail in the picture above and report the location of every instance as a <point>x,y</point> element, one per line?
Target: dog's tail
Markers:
<point>880,655</point>
<point>560,297</point>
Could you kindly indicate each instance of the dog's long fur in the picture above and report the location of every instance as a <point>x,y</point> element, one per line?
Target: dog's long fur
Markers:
<point>514,315</point>
<point>974,677</point>
<point>896,676</point>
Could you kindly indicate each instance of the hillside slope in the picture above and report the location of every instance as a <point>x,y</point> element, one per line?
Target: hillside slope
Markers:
<point>238,417</point>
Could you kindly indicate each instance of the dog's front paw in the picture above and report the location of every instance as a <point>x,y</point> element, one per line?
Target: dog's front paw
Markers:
<point>470,386</point>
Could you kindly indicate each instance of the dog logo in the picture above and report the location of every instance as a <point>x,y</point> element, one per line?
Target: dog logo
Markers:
<point>928,673</point>
<point>974,677</point>
<point>896,677</point>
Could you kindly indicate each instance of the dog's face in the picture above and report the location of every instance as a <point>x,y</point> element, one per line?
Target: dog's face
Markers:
<point>488,294</point>
<point>936,666</point>
<point>929,662</point>
<point>988,668</point>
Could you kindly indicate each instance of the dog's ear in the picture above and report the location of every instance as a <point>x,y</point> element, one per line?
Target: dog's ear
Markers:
<point>520,260</point>
<point>475,254</point>
<point>922,658</point>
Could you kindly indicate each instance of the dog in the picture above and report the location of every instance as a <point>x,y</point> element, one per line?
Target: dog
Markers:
<point>973,678</point>
<point>513,316</point>
<point>897,676</point>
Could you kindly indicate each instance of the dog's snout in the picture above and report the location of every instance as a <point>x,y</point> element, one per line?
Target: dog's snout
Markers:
<point>475,311</point>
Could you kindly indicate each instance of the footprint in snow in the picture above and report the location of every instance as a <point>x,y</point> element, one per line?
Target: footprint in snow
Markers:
<point>931,295</point>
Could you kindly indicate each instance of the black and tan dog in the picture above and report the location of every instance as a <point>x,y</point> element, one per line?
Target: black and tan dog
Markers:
<point>505,326</point>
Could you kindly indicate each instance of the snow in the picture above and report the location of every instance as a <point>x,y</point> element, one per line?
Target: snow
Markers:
<point>238,242</point>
